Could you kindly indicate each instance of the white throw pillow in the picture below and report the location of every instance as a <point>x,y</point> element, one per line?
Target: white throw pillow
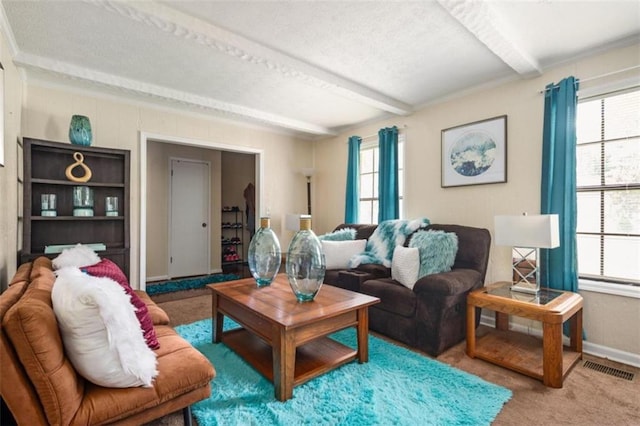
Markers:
<point>101,334</point>
<point>405,265</point>
<point>77,256</point>
<point>338,253</point>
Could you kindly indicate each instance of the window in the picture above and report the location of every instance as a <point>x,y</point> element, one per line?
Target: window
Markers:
<point>608,187</point>
<point>369,156</point>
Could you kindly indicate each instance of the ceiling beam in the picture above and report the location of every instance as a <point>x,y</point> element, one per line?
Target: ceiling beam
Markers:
<point>63,70</point>
<point>195,30</point>
<point>491,30</point>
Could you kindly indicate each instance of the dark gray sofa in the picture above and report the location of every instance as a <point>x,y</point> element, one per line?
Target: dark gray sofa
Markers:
<point>432,316</point>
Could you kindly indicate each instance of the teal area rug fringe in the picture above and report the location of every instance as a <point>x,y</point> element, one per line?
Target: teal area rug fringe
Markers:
<point>396,387</point>
<point>188,283</point>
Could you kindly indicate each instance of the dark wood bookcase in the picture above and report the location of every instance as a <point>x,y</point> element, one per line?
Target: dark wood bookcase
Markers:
<point>45,163</point>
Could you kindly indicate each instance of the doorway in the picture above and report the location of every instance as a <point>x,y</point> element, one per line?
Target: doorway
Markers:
<point>189,217</point>
<point>153,241</point>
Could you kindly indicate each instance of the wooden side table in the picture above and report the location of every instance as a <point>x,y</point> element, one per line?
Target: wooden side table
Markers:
<point>520,352</point>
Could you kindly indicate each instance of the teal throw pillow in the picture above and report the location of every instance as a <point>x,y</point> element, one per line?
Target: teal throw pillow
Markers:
<point>344,234</point>
<point>438,251</point>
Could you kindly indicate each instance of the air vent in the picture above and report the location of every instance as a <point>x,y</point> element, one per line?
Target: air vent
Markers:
<point>609,370</point>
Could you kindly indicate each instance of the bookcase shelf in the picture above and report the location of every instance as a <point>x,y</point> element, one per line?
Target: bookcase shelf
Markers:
<point>45,163</point>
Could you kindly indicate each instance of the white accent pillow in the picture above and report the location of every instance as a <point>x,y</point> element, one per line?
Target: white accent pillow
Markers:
<point>405,265</point>
<point>101,334</point>
<point>77,256</point>
<point>338,253</point>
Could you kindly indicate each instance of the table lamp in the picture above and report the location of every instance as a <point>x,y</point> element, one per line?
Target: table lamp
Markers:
<point>530,233</point>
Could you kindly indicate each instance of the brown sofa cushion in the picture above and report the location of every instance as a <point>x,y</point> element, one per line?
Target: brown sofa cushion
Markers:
<point>394,297</point>
<point>181,370</point>
<point>32,328</point>
<point>42,266</point>
<point>22,274</point>
<point>363,231</point>
<point>158,316</point>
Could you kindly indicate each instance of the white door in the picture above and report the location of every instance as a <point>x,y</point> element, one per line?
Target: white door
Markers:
<point>189,219</point>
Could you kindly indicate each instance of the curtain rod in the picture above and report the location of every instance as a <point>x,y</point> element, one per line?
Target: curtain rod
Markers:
<point>584,80</point>
<point>400,130</point>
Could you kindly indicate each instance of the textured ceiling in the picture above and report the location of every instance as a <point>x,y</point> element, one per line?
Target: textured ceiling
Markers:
<point>307,67</point>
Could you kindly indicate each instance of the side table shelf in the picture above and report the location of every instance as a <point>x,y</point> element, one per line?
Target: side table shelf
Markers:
<point>545,360</point>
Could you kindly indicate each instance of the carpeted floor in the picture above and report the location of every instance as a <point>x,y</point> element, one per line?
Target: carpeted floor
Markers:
<point>588,397</point>
<point>395,387</point>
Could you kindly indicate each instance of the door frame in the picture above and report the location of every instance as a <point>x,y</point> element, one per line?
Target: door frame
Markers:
<point>170,210</point>
<point>141,243</point>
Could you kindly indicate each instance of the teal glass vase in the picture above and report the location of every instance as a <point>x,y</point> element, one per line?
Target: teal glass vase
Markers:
<point>264,254</point>
<point>80,130</point>
<point>305,263</point>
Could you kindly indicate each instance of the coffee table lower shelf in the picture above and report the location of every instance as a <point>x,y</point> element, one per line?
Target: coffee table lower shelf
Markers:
<point>519,352</point>
<point>312,359</point>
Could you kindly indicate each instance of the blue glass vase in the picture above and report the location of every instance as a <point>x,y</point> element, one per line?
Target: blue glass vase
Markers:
<point>264,254</point>
<point>80,130</point>
<point>305,264</point>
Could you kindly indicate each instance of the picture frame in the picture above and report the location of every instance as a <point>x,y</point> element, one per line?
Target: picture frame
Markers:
<point>474,153</point>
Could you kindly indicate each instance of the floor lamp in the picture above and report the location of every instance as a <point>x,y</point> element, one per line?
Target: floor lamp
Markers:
<point>308,173</point>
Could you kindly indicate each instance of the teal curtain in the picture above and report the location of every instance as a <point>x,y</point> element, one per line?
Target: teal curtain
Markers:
<point>353,177</point>
<point>559,266</point>
<point>388,201</point>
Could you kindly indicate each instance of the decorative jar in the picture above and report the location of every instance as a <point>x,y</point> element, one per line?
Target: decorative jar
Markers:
<point>48,205</point>
<point>82,201</point>
<point>305,263</point>
<point>264,254</point>
<point>80,130</point>
<point>111,206</point>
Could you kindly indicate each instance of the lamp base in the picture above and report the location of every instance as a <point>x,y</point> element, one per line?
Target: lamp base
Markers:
<point>525,271</point>
<point>525,287</point>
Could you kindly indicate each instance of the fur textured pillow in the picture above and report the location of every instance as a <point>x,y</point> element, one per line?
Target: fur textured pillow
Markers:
<point>405,265</point>
<point>106,268</point>
<point>438,251</point>
<point>338,253</point>
<point>383,241</point>
<point>77,256</point>
<point>100,331</point>
<point>344,234</point>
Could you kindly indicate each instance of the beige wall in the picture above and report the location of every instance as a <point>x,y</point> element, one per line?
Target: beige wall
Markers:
<point>116,123</point>
<point>523,103</point>
<point>9,187</point>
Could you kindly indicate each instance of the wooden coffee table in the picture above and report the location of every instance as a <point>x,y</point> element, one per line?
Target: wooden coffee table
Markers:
<point>547,362</point>
<point>286,340</point>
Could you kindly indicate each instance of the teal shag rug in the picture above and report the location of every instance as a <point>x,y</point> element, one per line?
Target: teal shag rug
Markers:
<point>188,283</point>
<point>396,387</point>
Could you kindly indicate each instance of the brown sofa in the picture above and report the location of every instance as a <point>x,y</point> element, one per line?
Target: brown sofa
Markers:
<point>40,386</point>
<point>432,316</point>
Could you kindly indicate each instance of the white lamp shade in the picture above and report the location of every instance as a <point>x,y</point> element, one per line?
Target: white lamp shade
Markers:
<point>292,221</point>
<point>535,231</point>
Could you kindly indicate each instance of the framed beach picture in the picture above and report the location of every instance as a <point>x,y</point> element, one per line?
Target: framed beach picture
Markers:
<point>475,153</point>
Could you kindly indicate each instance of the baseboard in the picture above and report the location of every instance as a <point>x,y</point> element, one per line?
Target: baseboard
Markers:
<point>594,349</point>
<point>216,271</point>
<point>611,353</point>
<point>158,278</point>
